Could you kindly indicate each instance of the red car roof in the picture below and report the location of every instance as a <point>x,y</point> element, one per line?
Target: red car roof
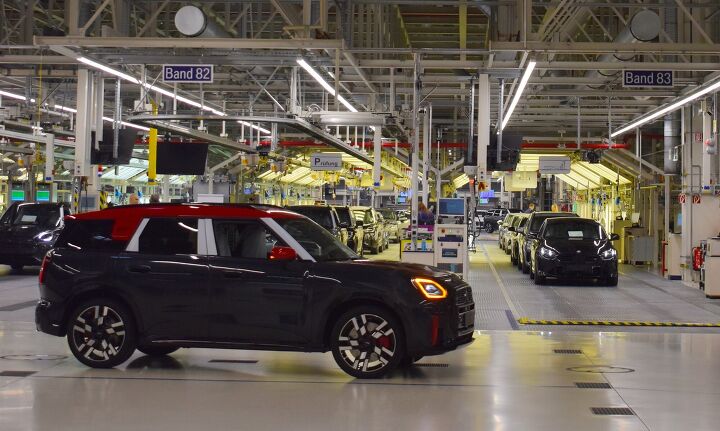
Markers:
<point>128,217</point>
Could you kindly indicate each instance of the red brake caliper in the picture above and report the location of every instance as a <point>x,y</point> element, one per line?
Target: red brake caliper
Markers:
<point>384,341</point>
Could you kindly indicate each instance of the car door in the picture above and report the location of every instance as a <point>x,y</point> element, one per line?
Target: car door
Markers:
<point>166,276</point>
<point>255,299</point>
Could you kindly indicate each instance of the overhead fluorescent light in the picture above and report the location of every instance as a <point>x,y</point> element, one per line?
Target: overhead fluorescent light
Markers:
<point>518,92</point>
<point>673,106</point>
<point>253,126</point>
<point>12,95</point>
<point>108,69</point>
<point>329,88</point>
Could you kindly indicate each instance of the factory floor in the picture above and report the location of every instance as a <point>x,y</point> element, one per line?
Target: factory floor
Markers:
<point>512,377</point>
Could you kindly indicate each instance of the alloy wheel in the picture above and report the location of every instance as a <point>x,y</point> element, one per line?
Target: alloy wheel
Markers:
<point>98,333</point>
<point>367,343</point>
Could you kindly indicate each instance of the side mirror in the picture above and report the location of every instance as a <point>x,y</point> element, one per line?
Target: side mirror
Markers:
<point>531,235</point>
<point>359,224</point>
<point>614,237</point>
<point>344,225</point>
<point>282,253</point>
<point>511,229</point>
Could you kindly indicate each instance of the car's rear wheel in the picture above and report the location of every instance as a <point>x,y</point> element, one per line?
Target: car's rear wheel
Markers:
<point>540,279</point>
<point>367,342</point>
<point>525,268</point>
<point>101,333</point>
<point>152,350</point>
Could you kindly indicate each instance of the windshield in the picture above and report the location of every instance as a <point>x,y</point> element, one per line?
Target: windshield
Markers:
<point>319,215</point>
<point>344,215</point>
<point>40,215</point>
<point>388,214</point>
<point>538,220</point>
<point>577,230</point>
<point>321,245</point>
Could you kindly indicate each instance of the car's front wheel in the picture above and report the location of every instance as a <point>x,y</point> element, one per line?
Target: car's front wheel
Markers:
<point>101,333</point>
<point>367,342</point>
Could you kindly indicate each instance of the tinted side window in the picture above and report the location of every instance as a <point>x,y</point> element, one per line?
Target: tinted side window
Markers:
<point>169,236</point>
<point>244,239</point>
<point>89,235</point>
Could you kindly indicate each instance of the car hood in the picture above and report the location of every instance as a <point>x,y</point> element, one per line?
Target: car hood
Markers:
<point>20,232</point>
<point>585,247</point>
<point>383,270</point>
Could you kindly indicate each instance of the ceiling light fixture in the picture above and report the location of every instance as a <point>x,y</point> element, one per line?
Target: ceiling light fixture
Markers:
<point>325,84</point>
<point>518,92</point>
<point>673,106</point>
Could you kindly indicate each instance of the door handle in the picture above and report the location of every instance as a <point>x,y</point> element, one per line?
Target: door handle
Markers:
<point>142,269</point>
<point>232,274</point>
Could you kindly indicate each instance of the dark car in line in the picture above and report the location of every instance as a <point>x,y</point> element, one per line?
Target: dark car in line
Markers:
<point>355,230</point>
<point>529,233</point>
<point>326,216</point>
<point>574,248</point>
<point>514,233</point>
<point>165,276</point>
<point>375,236</point>
<point>28,231</point>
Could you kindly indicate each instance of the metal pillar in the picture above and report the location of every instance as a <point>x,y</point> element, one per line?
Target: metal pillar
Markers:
<point>501,108</point>
<point>377,157</point>
<point>49,156</point>
<point>427,133</point>
<point>483,122</point>
<point>82,123</point>
<point>415,162</point>
<point>709,153</point>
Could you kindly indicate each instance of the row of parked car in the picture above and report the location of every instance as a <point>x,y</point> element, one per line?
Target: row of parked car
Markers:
<point>360,228</point>
<point>559,245</point>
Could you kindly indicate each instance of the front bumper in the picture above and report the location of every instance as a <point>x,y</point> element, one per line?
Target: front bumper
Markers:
<point>22,253</point>
<point>49,318</point>
<point>586,268</point>
<point>439,327</point>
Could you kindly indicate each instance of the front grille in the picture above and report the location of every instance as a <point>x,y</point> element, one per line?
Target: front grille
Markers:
<point>465,309</point>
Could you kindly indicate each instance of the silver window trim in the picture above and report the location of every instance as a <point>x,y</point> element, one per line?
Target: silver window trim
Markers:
<point>287,238</point>
<point>134,244</point>
<point>202,245</point>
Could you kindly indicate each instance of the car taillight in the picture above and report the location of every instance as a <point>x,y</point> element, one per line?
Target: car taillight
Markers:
<point>45,262</point>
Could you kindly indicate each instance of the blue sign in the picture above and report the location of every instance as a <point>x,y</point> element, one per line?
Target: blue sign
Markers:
<point>487,194</point>
<point>647,78</point>
<point>200,73</point>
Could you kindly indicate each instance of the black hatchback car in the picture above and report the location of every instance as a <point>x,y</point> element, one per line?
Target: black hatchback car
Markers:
<point>574,248</point>
<point>160,277</point>
<point>28,231</point>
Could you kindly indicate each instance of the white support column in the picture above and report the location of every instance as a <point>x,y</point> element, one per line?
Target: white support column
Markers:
<point>49,156</point>
<point>82,123</point>
<point>708,157</point>
<point>415,162</point>
<point>98,107</point>
<point>166,188</point>
<point>427,133</point>
<point>377,157</point>
<point>483,132</point>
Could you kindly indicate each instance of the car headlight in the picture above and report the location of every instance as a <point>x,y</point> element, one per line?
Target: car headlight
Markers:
<point>430,289</point>
<point>46,236</point>
<point>547,252</point>
<point>609,253</point>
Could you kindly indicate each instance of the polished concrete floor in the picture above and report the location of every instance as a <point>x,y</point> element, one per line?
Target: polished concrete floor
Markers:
<point>512,377</point>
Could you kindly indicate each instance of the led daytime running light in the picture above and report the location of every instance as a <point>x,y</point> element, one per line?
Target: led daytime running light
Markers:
<point>421,283</point>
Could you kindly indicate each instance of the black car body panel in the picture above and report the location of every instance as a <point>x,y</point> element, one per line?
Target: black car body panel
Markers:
<point>28,231</point>
<point>562,256</point>
<point>197,300</point>
<point>530,232</point>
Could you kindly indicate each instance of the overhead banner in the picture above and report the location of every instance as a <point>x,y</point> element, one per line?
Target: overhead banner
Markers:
<point>326,162</point>
<point>198,73</point>
<point>554,164</point>
<point>647,78</point>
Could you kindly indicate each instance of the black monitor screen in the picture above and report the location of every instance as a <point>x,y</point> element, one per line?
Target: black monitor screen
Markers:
<point>452,207</point>
<point>104,156</point>
<point>181,158</point>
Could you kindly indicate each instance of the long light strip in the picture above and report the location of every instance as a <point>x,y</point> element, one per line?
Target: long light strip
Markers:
<point>650,117</point>
<point>329,88</point>
<point>108,119</point>
<point>168,93</point>
<point>518,92</point>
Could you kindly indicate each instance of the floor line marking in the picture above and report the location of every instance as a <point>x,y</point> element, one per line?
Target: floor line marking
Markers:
<point>513,321</point>
<point>500,283</point>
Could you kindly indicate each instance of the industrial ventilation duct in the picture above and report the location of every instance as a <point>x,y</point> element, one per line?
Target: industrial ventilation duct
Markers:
<point>193,22</point>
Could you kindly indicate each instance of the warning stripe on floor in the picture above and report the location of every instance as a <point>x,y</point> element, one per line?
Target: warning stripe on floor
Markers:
<point>526,321</point>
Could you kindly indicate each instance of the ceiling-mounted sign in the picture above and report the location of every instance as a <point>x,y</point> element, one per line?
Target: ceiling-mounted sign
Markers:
<point>326,162</point>
<point>647,78</point>
<point>554,164</point>
<point>198,73</point>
